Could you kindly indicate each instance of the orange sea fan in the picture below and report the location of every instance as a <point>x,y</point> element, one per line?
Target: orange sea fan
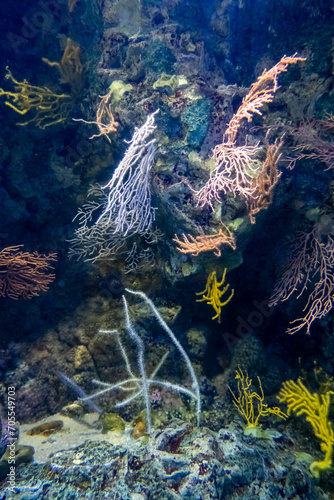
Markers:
<point>261,92</point>
<point>205,243</point>
<point>24,274</point>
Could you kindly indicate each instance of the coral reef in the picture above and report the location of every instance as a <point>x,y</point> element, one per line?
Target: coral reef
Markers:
<point>232,176</point>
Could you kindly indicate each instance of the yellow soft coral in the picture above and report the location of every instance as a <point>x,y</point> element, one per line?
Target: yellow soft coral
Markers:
<point>212,294</point>
<point>315,407</point>
<point>249,403</point>
<point>69,67</point>
<point>49,108</point>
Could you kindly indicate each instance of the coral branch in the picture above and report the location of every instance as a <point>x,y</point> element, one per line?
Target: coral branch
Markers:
<point>235,168</point>
<point>49,108</point>
<point>205,243</point>
<point>261,92</point>
<point>212,293</point>
<point>24,274</point>
<point>121,208</point>
<point>233,173</point>
<point>311,261</point>
<point>105,120</point>
<point>265,181</point>
<point>70,66</point>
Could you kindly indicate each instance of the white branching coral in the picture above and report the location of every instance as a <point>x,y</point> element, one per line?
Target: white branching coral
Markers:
<point>138,382</point>
<point>123,206</point>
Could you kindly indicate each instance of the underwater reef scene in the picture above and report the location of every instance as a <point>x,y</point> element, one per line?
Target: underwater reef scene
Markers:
<point>167,249</point>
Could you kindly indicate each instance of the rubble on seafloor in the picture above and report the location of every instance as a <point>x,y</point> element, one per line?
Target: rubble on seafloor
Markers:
<point>178,462</point>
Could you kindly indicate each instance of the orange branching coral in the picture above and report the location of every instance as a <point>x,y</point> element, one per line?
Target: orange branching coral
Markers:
<point>24,274</point>
<point>69,67</point>
<point>49,108</point>
<point>266,181</point>
<point>105,120</point>
<point>261,92</point>
<point>205,243</point>
<point>235,168</point>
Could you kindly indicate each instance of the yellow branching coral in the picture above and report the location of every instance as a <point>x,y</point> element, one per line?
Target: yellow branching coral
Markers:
<point>315,407</point>
<point>212,294</point>
<point>49,108</point>
<point>249,403</point>
<point>69,67</point>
